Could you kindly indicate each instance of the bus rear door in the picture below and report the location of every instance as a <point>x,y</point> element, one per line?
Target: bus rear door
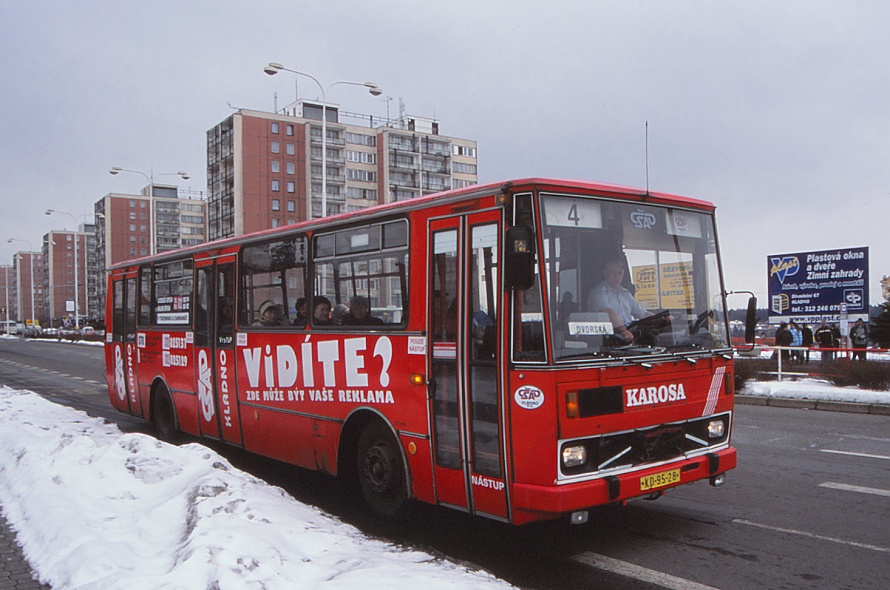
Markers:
<point>215,350</point>
<point>123,378</point>
<point>468,432</point>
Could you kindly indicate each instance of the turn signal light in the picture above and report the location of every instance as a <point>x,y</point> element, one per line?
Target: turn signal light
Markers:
<point>417,379</point>
<point>572,410</point>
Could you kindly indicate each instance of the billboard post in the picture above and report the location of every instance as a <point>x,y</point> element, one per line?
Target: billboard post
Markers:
<point>824,285</point>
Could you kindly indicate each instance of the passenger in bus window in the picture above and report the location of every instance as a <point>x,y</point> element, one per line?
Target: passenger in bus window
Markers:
<point>302,308</point>
<point>340,310</point>
<point>270,315</point>
<point>321,312</point>
<point>359,313</point>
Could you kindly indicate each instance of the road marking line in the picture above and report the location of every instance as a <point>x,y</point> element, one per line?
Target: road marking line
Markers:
<point>629,570</point>
<point>812,535</point>
<point>855,454</point>
<point>851,488</point>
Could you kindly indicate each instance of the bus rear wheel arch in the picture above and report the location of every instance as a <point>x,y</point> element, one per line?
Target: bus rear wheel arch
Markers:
<point>163,413</point>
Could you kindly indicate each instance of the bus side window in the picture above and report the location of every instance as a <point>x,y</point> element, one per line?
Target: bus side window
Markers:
<point>272,273</point>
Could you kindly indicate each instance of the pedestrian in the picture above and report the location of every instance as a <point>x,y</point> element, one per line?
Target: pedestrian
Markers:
<point>796,340</point>
<point>783,338</point>
<point>824,336</point>
<point>859,337</point>
<point>807,341</point>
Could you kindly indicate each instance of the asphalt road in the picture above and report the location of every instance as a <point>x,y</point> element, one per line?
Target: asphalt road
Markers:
<point>808,506</point>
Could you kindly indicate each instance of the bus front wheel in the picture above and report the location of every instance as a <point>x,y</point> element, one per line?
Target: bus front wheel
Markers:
<point>381,471</point>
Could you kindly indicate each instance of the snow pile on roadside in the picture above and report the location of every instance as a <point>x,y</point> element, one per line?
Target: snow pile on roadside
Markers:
<point>814,389</point>
<point>97,509</point>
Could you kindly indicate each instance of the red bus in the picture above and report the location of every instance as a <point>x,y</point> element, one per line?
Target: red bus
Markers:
<point>458,349</point>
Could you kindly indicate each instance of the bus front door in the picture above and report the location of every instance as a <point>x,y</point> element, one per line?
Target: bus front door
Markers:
<point>464,298</point>
<point>215,350</point>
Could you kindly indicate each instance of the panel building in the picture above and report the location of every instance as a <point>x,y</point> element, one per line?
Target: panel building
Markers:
<point>127,228</point>
<point>66,256</point>
<point>265,169</point>
<point>26,289</point>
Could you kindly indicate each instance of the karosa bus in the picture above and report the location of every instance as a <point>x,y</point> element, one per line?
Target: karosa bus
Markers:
<point>481,379</point>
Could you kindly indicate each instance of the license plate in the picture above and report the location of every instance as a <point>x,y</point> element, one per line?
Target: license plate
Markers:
<point>659,480</point>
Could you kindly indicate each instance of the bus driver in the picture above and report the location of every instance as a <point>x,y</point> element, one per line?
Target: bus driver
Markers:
<point>611,297</point>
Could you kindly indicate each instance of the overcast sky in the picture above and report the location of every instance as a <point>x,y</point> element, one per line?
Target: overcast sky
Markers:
<point>778,112</point>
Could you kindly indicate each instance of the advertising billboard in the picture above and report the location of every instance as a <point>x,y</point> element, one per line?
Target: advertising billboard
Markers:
<point>825,285</point>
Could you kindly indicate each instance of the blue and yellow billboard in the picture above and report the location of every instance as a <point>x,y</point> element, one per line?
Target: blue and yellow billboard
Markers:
<point>825,285</point>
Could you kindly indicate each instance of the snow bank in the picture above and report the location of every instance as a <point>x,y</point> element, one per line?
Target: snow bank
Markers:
<point>97,509</point>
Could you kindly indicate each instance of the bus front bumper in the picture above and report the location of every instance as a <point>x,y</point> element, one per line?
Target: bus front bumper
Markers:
<point>535,502</point>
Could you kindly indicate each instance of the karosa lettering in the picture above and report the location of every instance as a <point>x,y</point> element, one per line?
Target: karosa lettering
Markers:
<point>645,396</point>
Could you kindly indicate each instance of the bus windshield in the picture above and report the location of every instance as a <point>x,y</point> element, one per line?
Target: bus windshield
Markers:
<point>626,279</point>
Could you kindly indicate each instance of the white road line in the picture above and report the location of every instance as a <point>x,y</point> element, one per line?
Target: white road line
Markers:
<point>850,488</point>
<point>812,535</point>
<point>866,455</point>
<point>629,570</point>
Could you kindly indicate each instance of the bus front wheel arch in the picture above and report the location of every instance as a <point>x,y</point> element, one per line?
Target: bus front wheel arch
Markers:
<point>380,470</point>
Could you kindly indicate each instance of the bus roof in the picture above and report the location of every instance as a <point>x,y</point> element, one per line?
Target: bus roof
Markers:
<point>537,183</point>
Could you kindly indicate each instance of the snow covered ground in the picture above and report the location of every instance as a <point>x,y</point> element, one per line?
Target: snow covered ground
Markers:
<point>95,508</point>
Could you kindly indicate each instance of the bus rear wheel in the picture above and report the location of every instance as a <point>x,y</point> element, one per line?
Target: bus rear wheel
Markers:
<point>381,472</point>
<point>164,415</point>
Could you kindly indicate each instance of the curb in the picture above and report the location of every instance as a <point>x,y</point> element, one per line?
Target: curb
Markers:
<point>807,404</point>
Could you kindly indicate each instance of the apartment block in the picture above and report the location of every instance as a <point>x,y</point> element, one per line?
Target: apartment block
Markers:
<point>26,289</point>
<point>128,227</point>
<point>68,256</point>
<point>265,169</point>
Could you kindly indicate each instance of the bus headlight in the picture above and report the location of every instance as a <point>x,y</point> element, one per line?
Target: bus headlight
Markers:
<point>716,429</point>
<point>574,456</point>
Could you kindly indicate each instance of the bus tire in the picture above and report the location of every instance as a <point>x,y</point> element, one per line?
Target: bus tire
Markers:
<point>381,471</point>
<point>164,415</point>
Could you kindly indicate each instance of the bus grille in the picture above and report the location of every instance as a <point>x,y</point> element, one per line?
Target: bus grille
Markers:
<point>637,448</point>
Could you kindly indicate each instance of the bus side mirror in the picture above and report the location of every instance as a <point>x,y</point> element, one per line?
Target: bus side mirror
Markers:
<point>751,320</point>
<point>519,258</point>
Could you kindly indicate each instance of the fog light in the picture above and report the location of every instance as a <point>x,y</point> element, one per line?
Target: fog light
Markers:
<point>716,429</point>
<point>579,517</point>
<point>574,456</point>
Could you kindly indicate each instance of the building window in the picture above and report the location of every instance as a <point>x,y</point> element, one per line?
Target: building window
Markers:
<point>289,129</point>
<point>361,139</point>
<point>291,168</point>
<point>275,222</point>
<point>142,204</point>
<point>132,216</point>
<point>462,150</point>
<point>362,175</point>
<point>361,157</point>
<point>276,205</point>
<point>291,206</point>
<point>290,149</point>
<point>276,148</point>
<point>132,203</point>
<point>274,127</point>
<point>462,168</point>
<point>276,166</point>
<point>291,186</point>
<point>275,186</point>
<point>132,227</point>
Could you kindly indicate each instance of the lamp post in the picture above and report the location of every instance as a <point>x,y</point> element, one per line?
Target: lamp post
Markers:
<point>11,240</point>
<point>76,267</point>
<point>150,177</point>
<point>272,69</point>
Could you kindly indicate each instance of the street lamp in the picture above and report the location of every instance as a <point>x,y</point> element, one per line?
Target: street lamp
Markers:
<point>76,272</point>
<point>272,69</point>
<point>150,177</point>
<point>11,240</point>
